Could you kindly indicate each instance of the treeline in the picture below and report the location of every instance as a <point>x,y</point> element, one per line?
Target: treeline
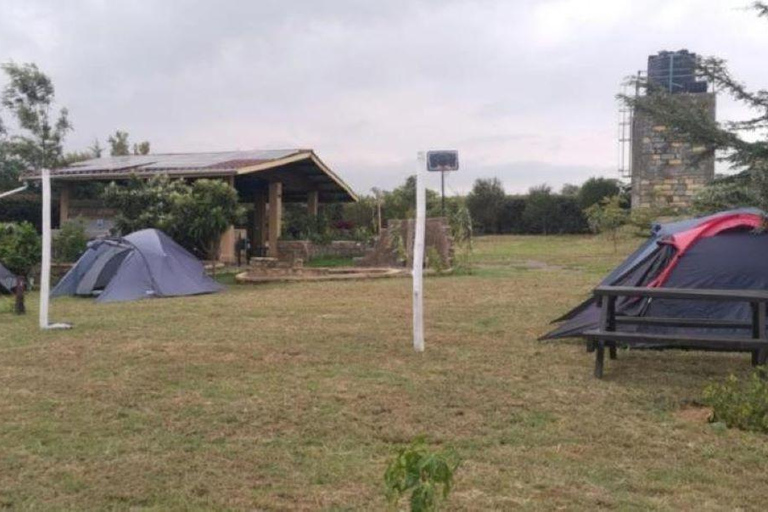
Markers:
<point>540,211</point>
<point>492,210</point>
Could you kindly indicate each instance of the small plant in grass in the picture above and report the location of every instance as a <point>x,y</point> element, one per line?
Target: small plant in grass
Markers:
<point>427,475</point>
<point>397,244</point>
<point>435,261</point>
<point>461,231</point>
<point>740,403</point>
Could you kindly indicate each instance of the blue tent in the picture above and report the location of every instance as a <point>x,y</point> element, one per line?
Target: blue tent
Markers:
<point>724,261</point>
<point>7,280</point>
<point>147,263</point>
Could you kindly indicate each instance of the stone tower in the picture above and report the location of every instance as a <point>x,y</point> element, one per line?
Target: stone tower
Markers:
<point>667,171</point>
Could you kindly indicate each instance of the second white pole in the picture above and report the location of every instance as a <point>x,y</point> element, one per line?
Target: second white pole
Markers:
<point>418,256</point>
<point>45,269</point>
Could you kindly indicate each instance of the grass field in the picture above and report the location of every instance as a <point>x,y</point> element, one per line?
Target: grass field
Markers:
<point>294,397</point>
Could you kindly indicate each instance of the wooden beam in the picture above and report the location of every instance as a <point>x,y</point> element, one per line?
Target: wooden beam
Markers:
<point>227,244</point>
<point>275,216</point>
<point>64,197</point>
<point>259,220</point>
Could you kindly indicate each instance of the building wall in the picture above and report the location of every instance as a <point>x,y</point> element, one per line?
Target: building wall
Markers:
<point>667,171</point>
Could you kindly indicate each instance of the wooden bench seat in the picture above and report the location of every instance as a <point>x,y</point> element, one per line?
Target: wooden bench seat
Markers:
<point>752,340</point>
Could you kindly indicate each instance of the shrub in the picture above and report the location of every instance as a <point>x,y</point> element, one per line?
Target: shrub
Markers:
<point>461,231</point>
<point>740,403</point>
<point>426,474</point>
<point>195,215</point>
<point>435,261</point>
<point>27,207</point>
<point>20,253</point>
<point>70,242</point>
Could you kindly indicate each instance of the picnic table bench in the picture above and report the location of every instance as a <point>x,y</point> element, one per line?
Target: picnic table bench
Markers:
<point>607,336</point>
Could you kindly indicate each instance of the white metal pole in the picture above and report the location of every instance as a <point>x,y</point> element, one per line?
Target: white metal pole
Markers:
<point>45,274</point>
<point>418,257</point>
<point>14,191</point>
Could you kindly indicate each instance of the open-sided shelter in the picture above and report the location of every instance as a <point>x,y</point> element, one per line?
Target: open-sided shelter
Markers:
<point>725,251</point>
<point>264,178</point>
<point>144,264</point>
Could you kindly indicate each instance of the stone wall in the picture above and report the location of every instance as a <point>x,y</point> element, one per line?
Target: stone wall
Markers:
<point>291,250</point>
<point>394,247</point>
<point>667,171</point>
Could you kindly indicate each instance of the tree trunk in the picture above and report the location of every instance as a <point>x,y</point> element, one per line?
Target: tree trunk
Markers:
<point>19,308</point>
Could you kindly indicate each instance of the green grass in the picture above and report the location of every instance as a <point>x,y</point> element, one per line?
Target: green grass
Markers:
<point>331,261</point>
<point>294,397</point>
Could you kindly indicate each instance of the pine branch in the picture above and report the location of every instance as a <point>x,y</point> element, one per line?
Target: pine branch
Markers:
<point>761,8</point>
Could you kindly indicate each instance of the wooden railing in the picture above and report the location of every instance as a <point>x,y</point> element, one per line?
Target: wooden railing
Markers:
<point>607,335</point>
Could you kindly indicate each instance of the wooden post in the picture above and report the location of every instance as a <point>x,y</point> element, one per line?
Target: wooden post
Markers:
<point>64,197</point>
<point>313,200</point>
<point>758,332</point>
<point>227,243</point>
<point>259,240</point>
<point>607,324</point>
<point>275,216</point>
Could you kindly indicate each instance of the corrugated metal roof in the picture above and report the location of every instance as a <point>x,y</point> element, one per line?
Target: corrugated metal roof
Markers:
<point>225,163</point>
<point>180,161</point>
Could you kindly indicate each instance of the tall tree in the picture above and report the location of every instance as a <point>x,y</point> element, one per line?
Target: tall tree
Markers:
<point>118,144</point>
<point>485,203</point>
<point>96,149</point>
<point>595,189</point>
<point>539,209</point>
<point>742,143</point>
<point>29,96</point>
<point>142,148</point>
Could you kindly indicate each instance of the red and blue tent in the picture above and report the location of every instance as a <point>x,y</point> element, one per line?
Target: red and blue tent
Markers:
<point>725,251</point>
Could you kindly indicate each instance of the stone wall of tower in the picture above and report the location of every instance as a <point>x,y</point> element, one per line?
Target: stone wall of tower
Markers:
<point>667,171</point>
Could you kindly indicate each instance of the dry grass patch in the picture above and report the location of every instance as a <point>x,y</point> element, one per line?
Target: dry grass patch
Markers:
<point>295,396</point>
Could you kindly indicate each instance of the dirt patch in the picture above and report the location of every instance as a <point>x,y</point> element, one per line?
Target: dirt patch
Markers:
<point>695,414</point>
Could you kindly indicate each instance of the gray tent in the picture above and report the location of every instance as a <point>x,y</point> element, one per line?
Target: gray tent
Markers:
<point>147,263</point>
<point>7,280</point>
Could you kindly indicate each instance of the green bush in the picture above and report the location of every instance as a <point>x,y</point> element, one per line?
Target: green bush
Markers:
<point>70,242</point>
<point>27,207</point>
<point>740,403</point>
<point>426,474</point>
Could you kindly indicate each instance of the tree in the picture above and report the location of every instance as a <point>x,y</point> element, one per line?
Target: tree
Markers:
<point>20,252</point>
<point>205,213</point>
<point>570,190</point>
<point>400,203</point>
<point>118,144</point>
<point>29,96</point>
<point>539,209</point>
<point>596,189</point>
<point>742,143</point>
<point>96,149</point>
<point>195,215</point>
<point>607,217</point>
<point>485,203</point>
<point>142,148</point>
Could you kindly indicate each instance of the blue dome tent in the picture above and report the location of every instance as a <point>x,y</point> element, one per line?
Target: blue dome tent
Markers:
<point>144,264</point>
<point>7,280</point>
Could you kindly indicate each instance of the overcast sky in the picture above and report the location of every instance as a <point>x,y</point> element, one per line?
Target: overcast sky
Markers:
<point>523,89</point>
